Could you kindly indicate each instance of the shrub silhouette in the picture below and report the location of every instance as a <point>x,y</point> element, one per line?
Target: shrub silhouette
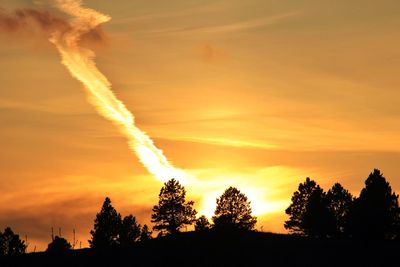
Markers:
<point>340,201</point>
<point>58,245</point>
<point>11,244</point>
<point>375,213</point>
<point>172,212</point>
<point>202,224</point>
<point>233,211</point>
<point>106,227</point>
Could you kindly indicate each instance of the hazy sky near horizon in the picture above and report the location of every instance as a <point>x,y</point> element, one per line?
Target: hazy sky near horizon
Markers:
<point>257,94</point>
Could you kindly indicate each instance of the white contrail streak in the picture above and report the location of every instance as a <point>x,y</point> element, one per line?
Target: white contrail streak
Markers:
<point>80,63</point>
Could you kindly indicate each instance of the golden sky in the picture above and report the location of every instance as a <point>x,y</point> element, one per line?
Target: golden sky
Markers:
<point>256,94</point>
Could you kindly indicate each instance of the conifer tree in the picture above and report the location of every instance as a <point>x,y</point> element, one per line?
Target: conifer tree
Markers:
<point>106,227</point>
<point>233,211</point>
<point>172,212</point>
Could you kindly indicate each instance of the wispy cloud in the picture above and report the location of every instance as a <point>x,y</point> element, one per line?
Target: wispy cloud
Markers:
<point>231,27</point>
<point>245,25</point>
<point>53,106</point>
<point>228,142</point>
<point>197,9</point>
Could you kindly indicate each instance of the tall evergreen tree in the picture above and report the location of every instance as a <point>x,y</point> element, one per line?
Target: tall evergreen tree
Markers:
<point>233,211</point>
<point>375,213</point>
<point>172,212</point>
<point>298,207</point>
<point>340,201</point>
<point>318,220</point>
<point>106,227</point>
<point>129,232</point>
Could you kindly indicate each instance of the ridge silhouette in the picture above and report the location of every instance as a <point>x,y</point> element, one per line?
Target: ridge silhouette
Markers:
<point>330,228</point>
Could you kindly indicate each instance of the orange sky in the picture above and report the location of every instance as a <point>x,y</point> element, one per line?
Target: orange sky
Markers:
<point>256,94</point>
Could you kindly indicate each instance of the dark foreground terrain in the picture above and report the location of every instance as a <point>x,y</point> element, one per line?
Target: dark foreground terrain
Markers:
<point>223,249</point>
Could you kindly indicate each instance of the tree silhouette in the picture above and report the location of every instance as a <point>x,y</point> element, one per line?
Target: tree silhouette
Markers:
<point>233,211</point>
<point>202,224</point>
<point>317,219</point>
<point>298,207</point>
<point>11,244</point>
<point>106,227</point>
<point>340,201</point>
<point>396,228</point>
<point>129,232</point>
<point>375,213</point>
<point>172,211</point>
<point>145,234</point>
<point>58,245</point>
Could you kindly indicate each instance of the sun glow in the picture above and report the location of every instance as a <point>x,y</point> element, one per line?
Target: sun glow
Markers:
<point>258,202</point>
<point>265,199</point>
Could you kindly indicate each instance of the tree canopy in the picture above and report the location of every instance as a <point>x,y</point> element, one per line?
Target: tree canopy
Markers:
<point>202,224</point>
<point>110,231</point>
<point>375,213</point>
<point>145,233</point>
<point>130,231</point>
<point>172,212</point>
<point>233,211</point>
<point>340,201</point>
<point>106,227</point>
<point>317,219</point>
<point>10,243</point>
<point>298,207</point>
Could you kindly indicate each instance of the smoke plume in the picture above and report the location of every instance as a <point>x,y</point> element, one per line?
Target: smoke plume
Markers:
<point>34,21</point>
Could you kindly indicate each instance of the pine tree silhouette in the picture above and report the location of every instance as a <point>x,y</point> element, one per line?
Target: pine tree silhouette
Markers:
<point>172,212</point>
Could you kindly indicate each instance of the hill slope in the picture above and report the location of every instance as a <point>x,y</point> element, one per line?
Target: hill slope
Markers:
<point>227,249</point>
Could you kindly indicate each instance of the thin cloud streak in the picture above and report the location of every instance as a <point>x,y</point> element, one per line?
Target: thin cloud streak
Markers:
<point>227,142</point>
<point>245,25</point>
<point>227,28</point>
<point>214,6</point>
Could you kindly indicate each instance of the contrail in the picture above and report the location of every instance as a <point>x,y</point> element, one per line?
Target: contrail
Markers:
<point>84,27</point>
<point>80,63</point>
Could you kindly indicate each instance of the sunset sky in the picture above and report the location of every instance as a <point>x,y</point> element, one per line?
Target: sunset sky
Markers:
<point>255,94</point>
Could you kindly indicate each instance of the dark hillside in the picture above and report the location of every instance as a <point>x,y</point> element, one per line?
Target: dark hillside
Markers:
<point>227,249</point>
